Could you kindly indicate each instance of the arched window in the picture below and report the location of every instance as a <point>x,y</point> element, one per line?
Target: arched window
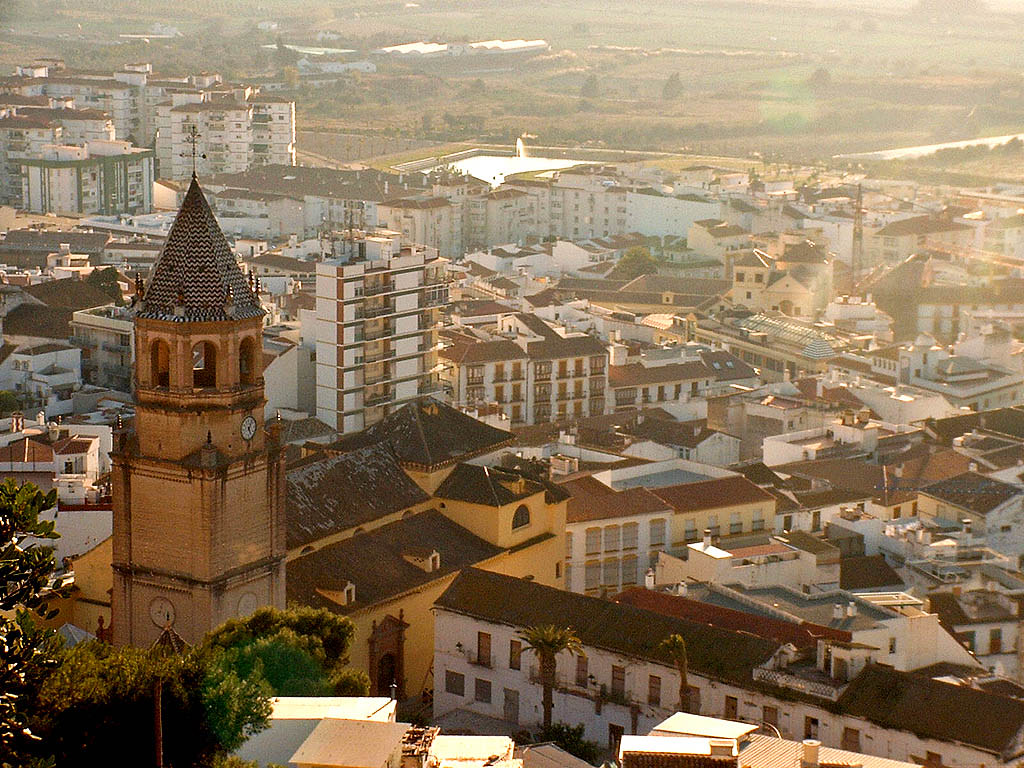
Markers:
<point>204,365</point>
<point>247,362</point>
<point>160,364</point>
<point>521,517</point>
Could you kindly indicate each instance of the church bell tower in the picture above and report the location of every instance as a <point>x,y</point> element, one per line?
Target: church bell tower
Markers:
<point>198,484</point>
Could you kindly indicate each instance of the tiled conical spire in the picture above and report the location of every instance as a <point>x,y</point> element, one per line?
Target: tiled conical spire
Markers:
<point>196,278</point>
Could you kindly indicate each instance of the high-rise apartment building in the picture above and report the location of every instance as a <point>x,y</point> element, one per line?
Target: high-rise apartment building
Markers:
<point>232,132</point>
<point>378,308</point>
<point>102,177</point>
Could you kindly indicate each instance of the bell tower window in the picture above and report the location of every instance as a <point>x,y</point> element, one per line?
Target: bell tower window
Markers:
<point>247,362</point>
<point>160,364</point>
<point>204,365</point>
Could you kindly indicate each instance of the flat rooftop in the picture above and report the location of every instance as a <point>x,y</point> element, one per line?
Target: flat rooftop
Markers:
<point>660,479</point>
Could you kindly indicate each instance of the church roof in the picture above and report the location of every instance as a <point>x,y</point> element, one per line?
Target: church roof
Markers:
<point>197,272</point>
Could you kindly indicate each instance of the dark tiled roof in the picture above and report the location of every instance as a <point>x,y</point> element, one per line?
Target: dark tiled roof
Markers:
<point>808,543</point>
<point>691,286</point>
<point>972,491</point>
<point>919,225</point>
<point>935,710</point>
<point>38,321</point>
<point>483,352</point>
<point>50,241</point>
<point>689,434</point>
<point>759,473</point>
<point>870,572</point>
<point>637,375</point>
<point>802,635</point>
<point>197,275</point>
<point>711,494</point>
<point>375,564</point>
<point>336,493</point>
<point>26,451</point>
<point>725,366</point>
<point>593,500</point>
<point>616,627</point>
<point>488,486</point>
<point>69,293</point>
<point>427,432</point>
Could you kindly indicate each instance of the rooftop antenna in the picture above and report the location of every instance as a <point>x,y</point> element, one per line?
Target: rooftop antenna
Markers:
<point>192,137</point>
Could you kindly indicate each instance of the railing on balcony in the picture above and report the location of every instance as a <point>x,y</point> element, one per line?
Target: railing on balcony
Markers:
<point>829,691</point>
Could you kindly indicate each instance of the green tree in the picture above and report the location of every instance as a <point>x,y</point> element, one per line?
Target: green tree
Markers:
<point>634,262</point>
<point>546,642</point>
<point>8,401</point>
<point>570,738</point>
<point>674,646</point>
<point>673,87</point>
<point>273,637</point>
<point>100,702</point>
<point>590,88</point>
<point>106,281</point>
<point>26,568</point>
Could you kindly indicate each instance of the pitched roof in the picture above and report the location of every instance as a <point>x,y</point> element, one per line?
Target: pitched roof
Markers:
<point>336,493</point>
<point>593,500</point>
<point>69,293</point>
<point>38,321</point>
<point>870,572</point>
<point>488,486</point>
<point>803,635</point>
<point>616,627</point>
<point>375,561</point>
<point>711,494</point>
<point>919,225</point>
<point>934,709</point>
<point>197,275</point>
<point>427,432</point>
<point>483,352</point>
<point>636,374</point>
<point>972,492</point>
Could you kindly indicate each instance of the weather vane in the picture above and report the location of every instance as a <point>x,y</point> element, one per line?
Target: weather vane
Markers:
<point>192,137</point>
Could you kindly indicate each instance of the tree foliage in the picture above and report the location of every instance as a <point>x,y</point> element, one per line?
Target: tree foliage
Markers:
<point>673,87</point>
<point>674,646</point>
<point>100,702</point>
<point>26,568</point>
<point>301,651</point>
<point>590,88</point>
<point>106,281</point>
<point>570,738</point>
<point>634,262</point>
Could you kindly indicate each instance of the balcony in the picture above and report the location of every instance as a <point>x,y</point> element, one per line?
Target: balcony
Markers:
<point>377,400</point>
<point>118,348</point>
<point>375,290</point>
<point>812,682</point>
<point>377,357</point>
<point>83,342</point>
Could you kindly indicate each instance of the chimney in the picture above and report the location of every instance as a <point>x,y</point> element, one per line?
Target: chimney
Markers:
<point>707,538</point>
<point>966,523</point>
<point>972,467</point>
<point>810,753</point>
<point>681,589</point>
<point>851,609</point>
<point>837,612</point>
<point>52,431</point>
<point>649,579</point>
<point>17,422</point>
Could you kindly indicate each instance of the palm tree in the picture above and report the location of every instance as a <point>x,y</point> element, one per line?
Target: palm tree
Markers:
<point>546,642</point>
<point>675,647</point>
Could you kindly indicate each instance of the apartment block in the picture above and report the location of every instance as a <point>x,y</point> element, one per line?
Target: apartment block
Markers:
<point>534,371</point>
<point>234,131</point>
<point>378,308</point>
<point>106,337</point>
<point>22,138</point>
<point>102,177</point>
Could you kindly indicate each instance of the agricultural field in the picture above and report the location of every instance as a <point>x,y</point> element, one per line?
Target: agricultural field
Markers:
<point>780,81</point>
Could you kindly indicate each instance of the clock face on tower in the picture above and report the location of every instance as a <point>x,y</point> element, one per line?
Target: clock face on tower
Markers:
<point>248,428</point>
<point>161,611</point>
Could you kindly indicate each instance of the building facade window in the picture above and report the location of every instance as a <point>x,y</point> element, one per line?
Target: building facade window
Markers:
<point>482,691</point>
<point>618,687</point>
<point>657,532</point>
<point>593,541</point>
<point>582,673</point>
<point>654,690</point>
<point>521,517</point>
<point>454,683</point>
<point>515,654</point>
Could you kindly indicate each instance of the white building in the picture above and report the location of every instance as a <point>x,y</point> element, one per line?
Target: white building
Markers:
<point>624,684</point>
<point>377,314</point>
